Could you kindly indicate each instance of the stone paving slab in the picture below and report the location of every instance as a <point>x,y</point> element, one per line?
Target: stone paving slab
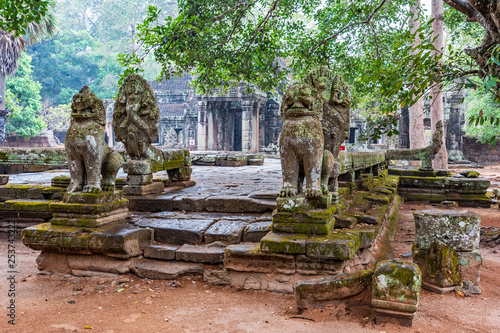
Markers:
<point>255,231</point>
<point>226,231</point>
<point>177,231</point>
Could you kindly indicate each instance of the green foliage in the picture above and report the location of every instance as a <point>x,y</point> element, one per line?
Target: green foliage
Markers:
<point>58,118</point>
<point>483,116</point>
<point>84,52</point>
<point>24,102</point>
<point>16,15</point>
<point>70,61</point>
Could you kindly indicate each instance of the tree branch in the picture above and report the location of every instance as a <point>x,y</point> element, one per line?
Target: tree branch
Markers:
<point>367,21</point>
<point>465,7</point>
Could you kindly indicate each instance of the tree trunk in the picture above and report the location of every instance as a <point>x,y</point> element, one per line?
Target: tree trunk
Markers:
<point>441,159</point>
<point>416,111</point>
<point>2,91</point>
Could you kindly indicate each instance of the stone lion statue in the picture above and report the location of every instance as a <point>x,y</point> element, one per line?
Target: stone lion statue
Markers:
<point>136,116</point>
<point>301,143</point>
<point>88,154</point>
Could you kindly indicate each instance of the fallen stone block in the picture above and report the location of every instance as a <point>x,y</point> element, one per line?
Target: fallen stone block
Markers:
<point>254,232</point>
<point>396,291</point>
<point>165,270</point>
<point>317,292</point>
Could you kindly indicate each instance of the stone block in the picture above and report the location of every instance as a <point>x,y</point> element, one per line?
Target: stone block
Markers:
<point>91,221</point>
<point>99,263</point>
<point>326,216</point>
<point>139,179</point>
<point>345,221</point>
<point>189,203</point>
<point>138,167</point>
<point>229,232</point>
<point>205,254</point>
<point>217,276</point>
<point>470,264</point>
<point>341,246</point>
<point>283,243</point>
<point>312,266</point>
<point>301,228</point>
<point>120,241</point>
<point>320,291</point>
<point>248,258</point>
<point>151,203</point>
<point>396,291</point>
<point>88,209</point>
<point>234,204</point>
<point>4,179</point>
<point>180,174</point>
<point>165,270</point>
<point>140,190</point>
<point>459,230</point>
<point>92,198</point>
<point>162,252</point>
<point>177,231</point>
<point>301,203</point>
<point>254,232</point>
<point>439,265</point>
<point>60,239</point>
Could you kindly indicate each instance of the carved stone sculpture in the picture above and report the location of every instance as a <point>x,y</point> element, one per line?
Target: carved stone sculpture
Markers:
<point>301,143</point>
<point>335,98</point>
<point>88,154</point>
<point>315,116</point>
<point>136,116</point>
<point>425,154</point>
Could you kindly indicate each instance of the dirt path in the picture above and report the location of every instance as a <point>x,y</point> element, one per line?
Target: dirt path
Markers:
<point>190,305</point>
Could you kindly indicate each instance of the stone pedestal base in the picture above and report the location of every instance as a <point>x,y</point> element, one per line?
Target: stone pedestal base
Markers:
<point>90,210</point>
<point>139,190</point>
<point>318,222</point>
<point>387,316</point>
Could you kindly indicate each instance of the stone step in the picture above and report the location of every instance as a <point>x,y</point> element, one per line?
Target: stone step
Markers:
<point>210,254</point>
<point>204,228</point>
<point>201,202</point>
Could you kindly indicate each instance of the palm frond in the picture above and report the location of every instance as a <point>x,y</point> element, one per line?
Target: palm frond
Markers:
<point>10,50</point>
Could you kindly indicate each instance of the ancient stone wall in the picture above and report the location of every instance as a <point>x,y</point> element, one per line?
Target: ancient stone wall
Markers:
<point>478,152</point>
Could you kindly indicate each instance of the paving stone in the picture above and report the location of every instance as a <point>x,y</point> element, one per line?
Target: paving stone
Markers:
<point>248,258</point>
<point>226,231</point>
<point>177,231</point>
<point>206,254</point>
<point>165,270</point>
<point>459,230</point>
<point>163,252</point>
<point>255,231</point>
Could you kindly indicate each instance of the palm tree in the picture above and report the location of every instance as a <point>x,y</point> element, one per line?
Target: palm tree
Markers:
<point>11,47</point>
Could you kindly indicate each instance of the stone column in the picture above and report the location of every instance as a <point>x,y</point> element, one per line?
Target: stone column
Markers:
<point>246,125</point>
<point>254,143</point>
<point>202,126</point>
<point>211,128</point>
